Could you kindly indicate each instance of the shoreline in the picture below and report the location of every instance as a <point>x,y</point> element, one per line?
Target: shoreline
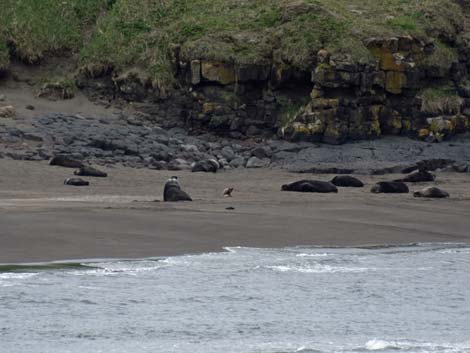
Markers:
<point>84,262</point>
<point>43,220</point>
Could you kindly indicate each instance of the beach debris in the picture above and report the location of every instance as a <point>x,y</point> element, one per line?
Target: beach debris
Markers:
<point>390,187</point>
<point>228,192</point>
<point>7,111</point>
<point>206,165</point>
<point>432,192</point>
<point>90,171</point>
<point>76,182</point>
<point>65,161</point>
<point>172,191</point>
<point>310,186</point>
<point>347,181</point>
<point>417,177</point>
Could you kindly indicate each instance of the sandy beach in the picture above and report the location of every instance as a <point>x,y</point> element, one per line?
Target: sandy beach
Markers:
<point>122,216</point>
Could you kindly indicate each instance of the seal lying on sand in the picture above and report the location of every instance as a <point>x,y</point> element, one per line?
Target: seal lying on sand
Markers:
<point>76,182</point>
<point>90,171</point>
<point>347,181</point>
<point>417,177</point>
<point>65,161</point>
<point>173,192</point>
<point>207,165</point>
<point>390,187</point>
<point>310,186</point>
<point>432,192</point>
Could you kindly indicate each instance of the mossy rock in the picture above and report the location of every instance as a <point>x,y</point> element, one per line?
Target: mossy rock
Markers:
<point>57,90</point>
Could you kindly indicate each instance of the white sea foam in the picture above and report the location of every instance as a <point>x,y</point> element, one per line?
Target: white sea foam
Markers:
<point>378,345</point>
<point>313,255</point>
<point>9,279</point>
<point>116,268</point>
<point>424,347</point>
<point>14,275</point>
<point>456,251</point>
<point>317,268</point>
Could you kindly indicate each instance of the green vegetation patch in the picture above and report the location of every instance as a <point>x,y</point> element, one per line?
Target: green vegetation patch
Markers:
<point>150,34</point>
<point>443,56</point>
<point>35,28</point>
<point>4,56</point>
<point>440,100</point>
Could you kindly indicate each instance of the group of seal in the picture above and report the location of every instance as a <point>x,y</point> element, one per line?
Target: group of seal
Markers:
<point>82,170</point>
<point>385,187</point>
<point>323,186</point>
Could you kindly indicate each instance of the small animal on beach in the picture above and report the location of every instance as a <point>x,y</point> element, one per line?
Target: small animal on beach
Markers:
<point>431,192</point>
<point>390,187</point>
<point>76,182</point>
<point>90,171</point>
<point>172,191</point>
<point>310,186</point>
<point>347,181</point>
<point>228,192</point>
<point>417,177</point>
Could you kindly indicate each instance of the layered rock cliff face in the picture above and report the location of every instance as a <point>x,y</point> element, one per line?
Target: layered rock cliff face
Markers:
<point>401,92</point>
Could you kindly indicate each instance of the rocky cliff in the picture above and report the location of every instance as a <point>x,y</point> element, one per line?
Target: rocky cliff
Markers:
<point>327,71</point>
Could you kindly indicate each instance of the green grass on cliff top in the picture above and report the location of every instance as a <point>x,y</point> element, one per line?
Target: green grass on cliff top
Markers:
<point>144,33</point>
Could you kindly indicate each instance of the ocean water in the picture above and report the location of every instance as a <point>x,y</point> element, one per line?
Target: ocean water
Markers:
<point>396,299</point>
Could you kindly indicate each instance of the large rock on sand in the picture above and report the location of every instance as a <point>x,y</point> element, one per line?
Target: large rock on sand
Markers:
<point>310,186</point>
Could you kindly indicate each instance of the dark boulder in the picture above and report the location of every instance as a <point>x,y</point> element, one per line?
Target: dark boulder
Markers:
<point>390,187</point>
<point>431,192</point>
<point>76,182</point>
<point>347,181</point>
<point>207,165</point>
<point>173,192</point>
<point>417,177</point>
<point>310,186</point>
<point>65,161</point>
<point>91,172</point>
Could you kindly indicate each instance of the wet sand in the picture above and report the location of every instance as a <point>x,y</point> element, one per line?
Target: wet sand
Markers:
<point>121,216</point>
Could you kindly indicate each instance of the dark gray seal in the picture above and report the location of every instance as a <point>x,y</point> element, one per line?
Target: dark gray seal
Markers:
<point>310,186</point>
<point>172,191</point>
<point>76,182</point>
<point>207,166</point>
<point>417,177</point>
<point>90,171</point>
<point>390,187</point>
<point>65,161</point>
<point>432,192</point>
<point>347,181</point>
